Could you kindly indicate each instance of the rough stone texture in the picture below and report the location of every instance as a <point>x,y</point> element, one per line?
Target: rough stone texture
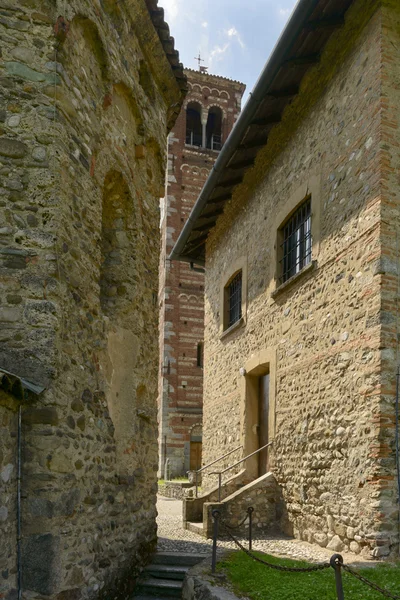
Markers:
<point>263,495</point>
<point>79,215</point>
<point>199,584</point>
<point>333,331</point>
<point>174,489</point>
<point>181,292</point>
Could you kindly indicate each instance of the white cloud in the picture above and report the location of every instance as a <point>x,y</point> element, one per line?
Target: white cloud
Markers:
<point>284,13</point>
<point>217,53</point>
<point>204,24</point>
<point>233,33</point>
<point>171,8</point>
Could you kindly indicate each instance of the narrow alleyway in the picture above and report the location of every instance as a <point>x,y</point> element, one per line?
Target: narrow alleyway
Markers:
<point>173,538</point>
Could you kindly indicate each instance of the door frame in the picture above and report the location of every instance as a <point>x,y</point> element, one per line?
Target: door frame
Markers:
<point>259,364</point>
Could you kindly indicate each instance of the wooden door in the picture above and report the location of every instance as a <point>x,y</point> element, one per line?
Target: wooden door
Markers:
<point>263,418</point>
<point>195,456</point>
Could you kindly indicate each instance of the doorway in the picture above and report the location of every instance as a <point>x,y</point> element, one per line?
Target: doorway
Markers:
<point>263,422</point>
<point>195,456</point>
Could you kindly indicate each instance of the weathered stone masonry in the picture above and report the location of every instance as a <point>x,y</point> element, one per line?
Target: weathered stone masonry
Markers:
<point>334,332</point>
<point>87,95</point>
<point>181,295</point>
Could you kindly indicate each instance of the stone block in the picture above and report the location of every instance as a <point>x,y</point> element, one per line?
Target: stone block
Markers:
<point>40,416</point>
<point>12,148</point>
<point>41,563</point>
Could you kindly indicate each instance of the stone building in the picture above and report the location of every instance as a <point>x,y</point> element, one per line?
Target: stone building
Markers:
<point>302,278</point>
<point>207,117</point>
<point>88,92</point>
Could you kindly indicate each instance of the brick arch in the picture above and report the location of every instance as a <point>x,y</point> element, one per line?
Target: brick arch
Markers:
<point>225,94</point>
<point>196,430</point>
<point>194,100</point>
<point>216,105</point>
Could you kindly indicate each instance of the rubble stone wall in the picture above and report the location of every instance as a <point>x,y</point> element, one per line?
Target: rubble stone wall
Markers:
<point>332,424</point>
<point>86,94</point>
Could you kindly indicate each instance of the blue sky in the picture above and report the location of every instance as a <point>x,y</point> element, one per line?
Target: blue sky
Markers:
<point>235,37</point>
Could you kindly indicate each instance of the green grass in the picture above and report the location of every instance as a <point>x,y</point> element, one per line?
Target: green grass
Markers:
<point>258,582</point>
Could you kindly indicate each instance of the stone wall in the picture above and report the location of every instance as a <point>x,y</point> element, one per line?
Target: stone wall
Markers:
<point>175,489</point>
<point>333,382</point>
<point>87,93</point>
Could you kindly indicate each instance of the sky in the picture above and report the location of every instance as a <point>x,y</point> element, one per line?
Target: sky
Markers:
<point>234,37</point>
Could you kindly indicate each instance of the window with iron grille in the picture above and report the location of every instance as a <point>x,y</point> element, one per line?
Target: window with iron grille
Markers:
<point>234,300</point>
<point>296,242</point>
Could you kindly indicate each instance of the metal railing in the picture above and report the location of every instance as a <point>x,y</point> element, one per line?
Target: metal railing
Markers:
<point>211,464</point>
<point>220,473</point>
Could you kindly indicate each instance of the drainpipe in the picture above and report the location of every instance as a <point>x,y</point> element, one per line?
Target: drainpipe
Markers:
<point>19,477</point>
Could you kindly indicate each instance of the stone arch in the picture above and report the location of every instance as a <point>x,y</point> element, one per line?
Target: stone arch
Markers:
<point>215,92</point>
<point>204,88</point>
<point>196,88</point>
<point>112,9</point>
<point>127,106</point>
<point>146,81</point>
<point>84,59</point>
<point>118,237</point>
<point>224,94</point>
<point>196,430</point>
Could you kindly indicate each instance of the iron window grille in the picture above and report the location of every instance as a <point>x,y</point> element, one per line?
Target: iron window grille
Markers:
<point>296,247</point>
<point>234,297</point>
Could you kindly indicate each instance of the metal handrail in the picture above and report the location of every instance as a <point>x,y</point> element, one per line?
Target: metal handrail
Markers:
<point>213,463</point>
<point>220,473</point>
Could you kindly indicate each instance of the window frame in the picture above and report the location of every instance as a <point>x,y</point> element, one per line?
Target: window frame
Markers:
<point>287,206</point>
<point>238,265</point>
<point>233,299</point>
<point>288,265</point>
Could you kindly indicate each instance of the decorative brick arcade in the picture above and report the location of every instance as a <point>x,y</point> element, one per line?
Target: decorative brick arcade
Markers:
<point>207,117</point>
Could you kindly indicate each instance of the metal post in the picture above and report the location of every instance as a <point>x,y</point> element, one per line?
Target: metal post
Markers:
<point>196,483</point>
<point>250,511</point>
<point>219,486</point>
<point>336,564</point>
<point>216,515</point>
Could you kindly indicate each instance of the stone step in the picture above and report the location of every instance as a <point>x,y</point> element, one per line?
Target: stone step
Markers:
<point>155,587</point>
<point>196,528</point>
<point>177,558</point>
<point>176,572</point>
<point>143,597</point>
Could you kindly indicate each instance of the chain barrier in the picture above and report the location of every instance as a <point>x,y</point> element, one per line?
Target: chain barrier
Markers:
<point>318,567</point>
<point>336,562</point>
<point>370,584</point>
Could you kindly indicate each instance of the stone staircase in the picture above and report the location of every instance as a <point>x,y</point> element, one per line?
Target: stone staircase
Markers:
<point>263,494</point>
<point>163,578</point>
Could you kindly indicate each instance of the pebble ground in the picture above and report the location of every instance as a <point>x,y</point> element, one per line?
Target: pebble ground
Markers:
<point>173,538</point>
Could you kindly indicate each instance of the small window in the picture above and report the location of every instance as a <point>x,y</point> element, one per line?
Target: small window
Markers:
<point>194,130</point>
<point>233,300</point>
<point>200,354</point>
<point>296,242</point>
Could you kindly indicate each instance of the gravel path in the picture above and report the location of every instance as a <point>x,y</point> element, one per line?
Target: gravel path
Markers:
<point>173,538</point>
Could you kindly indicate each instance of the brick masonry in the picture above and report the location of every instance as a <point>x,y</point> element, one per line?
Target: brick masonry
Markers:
<point>333,332</point>
<point>181,295</point>
<point>85,99</point>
